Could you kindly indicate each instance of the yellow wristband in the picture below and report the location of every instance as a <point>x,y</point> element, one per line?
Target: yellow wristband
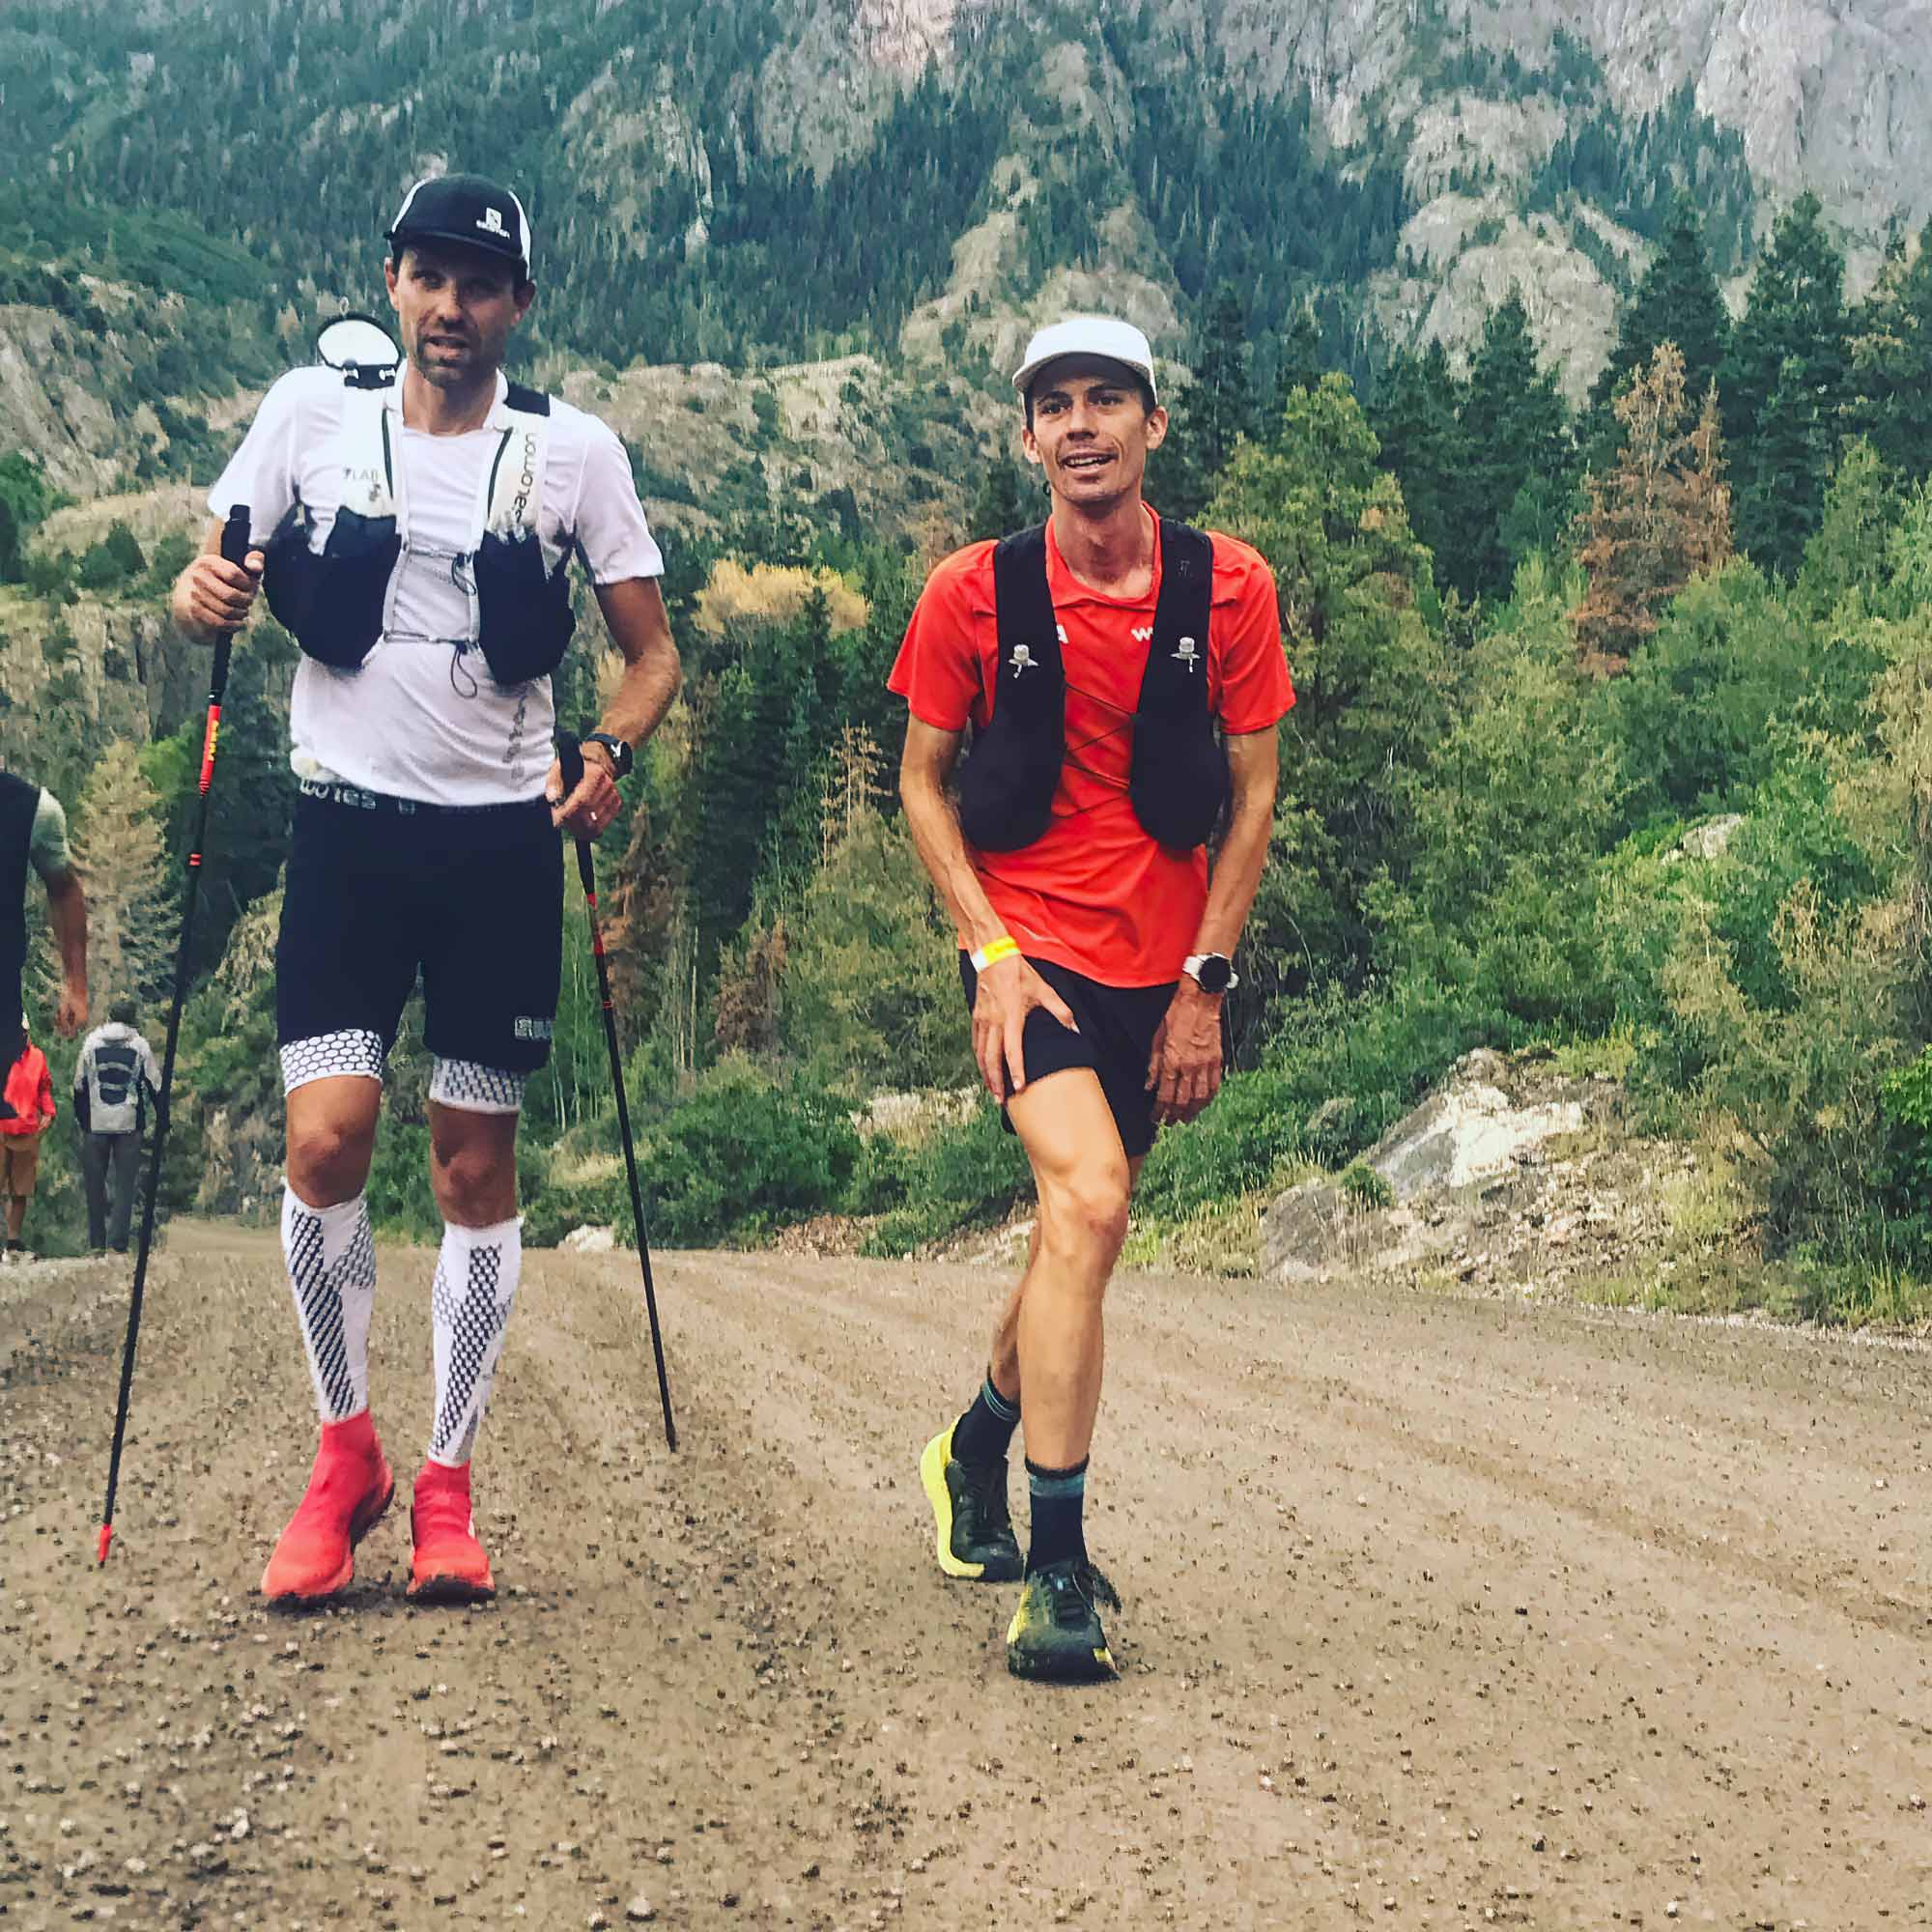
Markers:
<point>994,951</point>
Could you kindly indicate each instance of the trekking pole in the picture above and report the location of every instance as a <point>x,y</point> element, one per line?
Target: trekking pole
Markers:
<point>570,756</point>
<point>235,548</point>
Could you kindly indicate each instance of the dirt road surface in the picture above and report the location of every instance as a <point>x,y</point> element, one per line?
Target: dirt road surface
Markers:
<point>1438,1613</point>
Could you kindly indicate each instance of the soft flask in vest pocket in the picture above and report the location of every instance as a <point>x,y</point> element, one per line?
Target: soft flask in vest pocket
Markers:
<point>524,615</point>
<point>332,602</point>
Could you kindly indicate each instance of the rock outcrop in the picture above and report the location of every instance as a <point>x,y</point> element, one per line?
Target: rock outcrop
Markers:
<point>1511,1174</point>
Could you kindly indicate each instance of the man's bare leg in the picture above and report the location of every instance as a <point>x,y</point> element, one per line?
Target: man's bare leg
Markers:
<point>1004,1357</point>
<point>1083,1178</point>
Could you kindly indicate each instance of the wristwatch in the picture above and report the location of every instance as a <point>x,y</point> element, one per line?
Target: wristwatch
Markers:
<point>1211,972</point>
<point>621,754</point>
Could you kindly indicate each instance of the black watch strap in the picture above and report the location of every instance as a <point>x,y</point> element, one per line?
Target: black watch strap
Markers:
<point>620,752</point>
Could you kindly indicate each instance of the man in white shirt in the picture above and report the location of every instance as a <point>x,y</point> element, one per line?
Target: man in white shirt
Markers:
<point>415,541</point>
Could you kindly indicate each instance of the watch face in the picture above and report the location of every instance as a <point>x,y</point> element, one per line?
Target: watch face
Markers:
<point>620,752</point>
<point>1216,971</point>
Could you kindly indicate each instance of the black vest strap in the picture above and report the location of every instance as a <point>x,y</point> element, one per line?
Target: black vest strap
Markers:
<point>1178,781</point>
<point>1006,785</point>
<point>531,402</point>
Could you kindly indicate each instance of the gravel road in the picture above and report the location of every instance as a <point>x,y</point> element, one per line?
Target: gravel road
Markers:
<point>1438,1613</point>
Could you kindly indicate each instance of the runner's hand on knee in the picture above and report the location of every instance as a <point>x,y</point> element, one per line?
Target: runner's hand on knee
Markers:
<point>1006,994</point>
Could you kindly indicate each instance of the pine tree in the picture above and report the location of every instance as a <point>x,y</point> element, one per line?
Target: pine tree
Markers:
<point>1370,674</point>
<point>1677,301</point>
<point>133,918</point>
<point>1656,520</point>
<point>1890,350</point>
<point>1004,503</point>
<point>1299,366</point>
<point>1781,500</point>
<point>1516,430</point>
<point>1785,379</point>
<point>1224,395</point>
<point>1415,421</point>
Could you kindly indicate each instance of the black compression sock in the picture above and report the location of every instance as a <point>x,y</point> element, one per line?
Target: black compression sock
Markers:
<point>981,1434</point>
<point>1058,1503</point>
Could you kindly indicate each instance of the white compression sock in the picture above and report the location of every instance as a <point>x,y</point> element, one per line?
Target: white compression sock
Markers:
<point>331,1257</point>
<point>477,1278</point>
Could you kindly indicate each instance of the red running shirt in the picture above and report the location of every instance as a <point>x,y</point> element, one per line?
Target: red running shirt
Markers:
<point>1095,893</point>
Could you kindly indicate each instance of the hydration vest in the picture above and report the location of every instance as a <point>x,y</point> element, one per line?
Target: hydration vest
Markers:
<point>336,600</point>
<point>1178,782</point>
<point>19,802</point>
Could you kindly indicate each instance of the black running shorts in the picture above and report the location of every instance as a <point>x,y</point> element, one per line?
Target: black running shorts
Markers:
<point>1116,1039</point>
<point>472,898</point>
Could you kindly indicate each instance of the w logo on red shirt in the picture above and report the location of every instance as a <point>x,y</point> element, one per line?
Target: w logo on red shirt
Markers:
<point>1143,634</point>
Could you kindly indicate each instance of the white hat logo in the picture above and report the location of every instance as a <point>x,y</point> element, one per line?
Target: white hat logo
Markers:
<point>492,222</point>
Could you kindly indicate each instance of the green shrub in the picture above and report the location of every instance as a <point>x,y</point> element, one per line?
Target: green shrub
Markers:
<point>1365,1187</point>
<point>967,1175</point>
<point>748,1150</point>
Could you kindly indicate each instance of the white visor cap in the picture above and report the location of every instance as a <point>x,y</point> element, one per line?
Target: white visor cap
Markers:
<point>1094,336</point>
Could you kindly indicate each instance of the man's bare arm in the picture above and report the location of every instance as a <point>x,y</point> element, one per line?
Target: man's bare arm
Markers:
<point>1009,989</point>
<point>1184,1068</point>
<point>924,767</point>
<point>66,913</point>
<point>1252,762</point>
<point>639,627</point>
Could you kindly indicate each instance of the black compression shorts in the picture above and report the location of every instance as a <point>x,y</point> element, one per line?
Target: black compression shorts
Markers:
<point>472,898</point>
<point>1116,1039</point>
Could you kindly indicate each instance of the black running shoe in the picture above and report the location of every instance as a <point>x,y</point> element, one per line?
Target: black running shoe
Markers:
<point>1055,1636</point>
<point>973,1532</point>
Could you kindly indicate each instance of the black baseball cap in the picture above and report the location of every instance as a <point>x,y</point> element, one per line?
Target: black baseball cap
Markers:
<point>469,208</point>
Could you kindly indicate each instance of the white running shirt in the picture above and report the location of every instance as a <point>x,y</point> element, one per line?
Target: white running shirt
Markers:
<point>422,718</point>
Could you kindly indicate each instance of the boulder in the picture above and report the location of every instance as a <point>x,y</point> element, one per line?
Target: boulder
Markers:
<point>590,1240</point>
<point>1468,1132</point>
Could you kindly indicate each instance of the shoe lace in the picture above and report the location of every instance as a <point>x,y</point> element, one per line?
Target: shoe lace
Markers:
<point>983,1496</point>
<point>1075,1588</point>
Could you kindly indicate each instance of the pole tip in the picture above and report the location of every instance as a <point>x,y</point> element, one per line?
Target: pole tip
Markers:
<point>107,1537</point>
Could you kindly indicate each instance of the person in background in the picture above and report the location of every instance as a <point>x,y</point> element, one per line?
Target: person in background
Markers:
<point>30,1107</point>
<point>114,1080</point>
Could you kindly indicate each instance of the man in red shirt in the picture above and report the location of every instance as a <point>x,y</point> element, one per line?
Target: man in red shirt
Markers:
<point>29,1109</point>
<point>1124,678</point>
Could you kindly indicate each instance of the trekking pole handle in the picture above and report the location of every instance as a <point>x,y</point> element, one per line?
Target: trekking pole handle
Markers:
<point>235,544</point>
<point>570,762</point>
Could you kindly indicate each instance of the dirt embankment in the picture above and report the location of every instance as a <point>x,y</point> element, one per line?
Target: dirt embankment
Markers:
<point>1442,1613</point>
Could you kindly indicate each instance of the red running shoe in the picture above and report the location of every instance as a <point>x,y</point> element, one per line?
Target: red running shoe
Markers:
<point>450,1566</point>
<point>348,1490</point>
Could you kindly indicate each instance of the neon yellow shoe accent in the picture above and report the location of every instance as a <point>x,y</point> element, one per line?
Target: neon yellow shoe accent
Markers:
<point>1046,1642</point>
<point>932,1479</point>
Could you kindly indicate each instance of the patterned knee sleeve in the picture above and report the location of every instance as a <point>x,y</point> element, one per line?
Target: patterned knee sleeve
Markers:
<point>324,1054</point>
<point>475,1088</point>
<point>477,1278</point>
<point>331,1257</point>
